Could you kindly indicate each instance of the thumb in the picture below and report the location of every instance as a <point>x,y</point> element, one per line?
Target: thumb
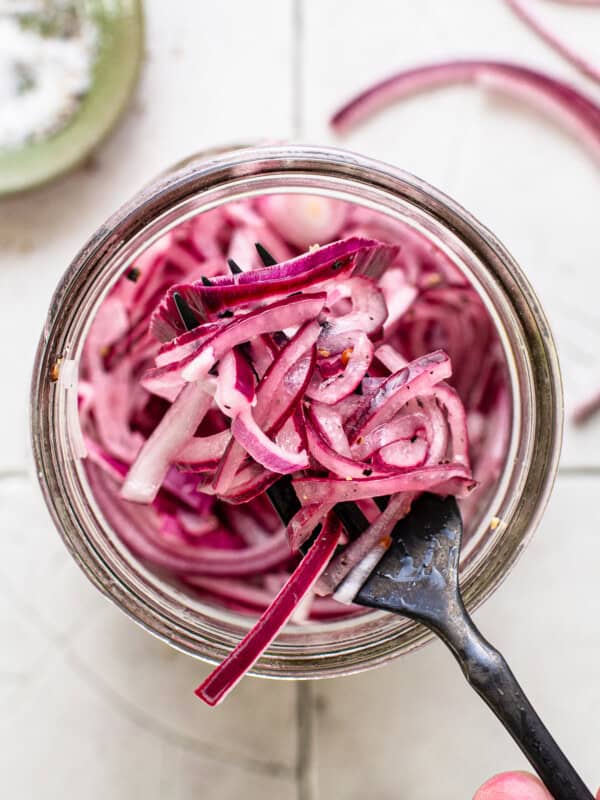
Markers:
<point>513,786</point>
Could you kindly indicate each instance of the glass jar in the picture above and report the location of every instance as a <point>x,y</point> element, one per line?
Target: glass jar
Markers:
<point>511,515</point>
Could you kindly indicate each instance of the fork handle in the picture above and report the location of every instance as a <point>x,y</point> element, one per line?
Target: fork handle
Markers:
<point>489,674</point>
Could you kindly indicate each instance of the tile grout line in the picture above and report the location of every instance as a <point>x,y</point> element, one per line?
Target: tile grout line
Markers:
<point>575,471</point>
<point>305,732</point>
<point>297,68</point>
<point>121,704</point>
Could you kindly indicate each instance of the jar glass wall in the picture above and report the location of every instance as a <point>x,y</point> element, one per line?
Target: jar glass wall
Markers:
<point>502,528</point>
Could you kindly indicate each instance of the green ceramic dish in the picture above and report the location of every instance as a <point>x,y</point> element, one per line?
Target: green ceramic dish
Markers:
<point>115,73</point>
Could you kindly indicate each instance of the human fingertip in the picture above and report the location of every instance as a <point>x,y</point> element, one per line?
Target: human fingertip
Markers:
<point>513,786</point>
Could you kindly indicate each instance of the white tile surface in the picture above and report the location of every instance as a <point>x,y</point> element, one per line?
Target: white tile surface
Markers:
<point>91,706</point>
<point>256,725</point>
<point>71,656</point>
<point>65,741</point>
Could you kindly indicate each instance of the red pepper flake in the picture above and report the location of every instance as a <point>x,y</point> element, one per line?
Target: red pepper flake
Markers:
<point>55,370</point>
<point>434,279</point>
<point>346,355</point>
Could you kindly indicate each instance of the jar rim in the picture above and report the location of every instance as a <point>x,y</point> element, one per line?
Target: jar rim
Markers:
<point>164,203</point>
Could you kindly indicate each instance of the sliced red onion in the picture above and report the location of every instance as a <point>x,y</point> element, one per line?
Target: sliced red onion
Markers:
<point>222,680</point>
<point>358,359</point>
<point>279,392</point>
<point>184,488</point>
<point>111,411</point>
<point>410,382</point>
<point>232,589</point>
<point>349,407</point>
<point>250,482</point>
<point>261,353</point>
<point>304,522</point>
<point>322,451</point>
<point>137,526</point>
<point>401,455</point>
<point>245,524</point>
<point>253,228</point>
<point>315,267</point>
<point>523,9</point>
<point>293,310</point>
<point>186,343</point>
<point>457,422</point>
<point>377,533</point>
<point>304,220</point>
<point>204,451</point>
<point>262,449</point>
<point>314,399</point>
<point>330,423</point>
<point>368,310</point>
<point>390,358</point>
<point>575,110</point>
<point>165,443</point>
<point>349,588</point>
<point>195,525</point>
<point>292,435</point>
<point>401,427</point>
<point>235,386</point>
<point>456,317</point>
<point>245,597</point>
<point>443,479</point>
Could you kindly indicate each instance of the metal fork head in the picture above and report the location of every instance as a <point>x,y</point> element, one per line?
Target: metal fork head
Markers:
<point>418,575</point>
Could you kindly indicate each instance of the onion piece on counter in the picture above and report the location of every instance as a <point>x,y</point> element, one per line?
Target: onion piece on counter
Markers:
<point>524,10</point>
<point>577,112</point>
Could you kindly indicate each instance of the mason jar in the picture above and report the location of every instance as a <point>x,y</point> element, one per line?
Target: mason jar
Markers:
<point>503,527</point>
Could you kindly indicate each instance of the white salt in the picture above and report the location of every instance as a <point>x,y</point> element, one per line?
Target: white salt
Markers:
<point>43,78</point>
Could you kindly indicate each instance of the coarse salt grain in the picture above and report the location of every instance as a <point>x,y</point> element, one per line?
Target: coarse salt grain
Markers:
<point>43,78</point>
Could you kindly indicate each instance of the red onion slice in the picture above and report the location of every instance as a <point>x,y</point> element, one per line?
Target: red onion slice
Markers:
<point>262,449</point>
<point>357,360</point>
<point>294,310</point>
<point>310,269</point>
<point>368,310</point>
<point>222,680</point>
<point>523,10</point>
<point>378,531</point>
<point>279,392</point>
<point>304,220</point>
<point>443,479</point>
<point>204,450</point>
<point>571,107</point>
<point>411,381</point>
<point>402,455</point>
<point>165,443</point>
